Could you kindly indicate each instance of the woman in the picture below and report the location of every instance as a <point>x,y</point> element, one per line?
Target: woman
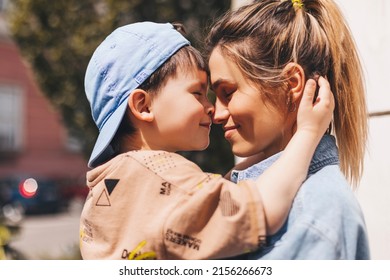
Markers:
<point>260,57</point>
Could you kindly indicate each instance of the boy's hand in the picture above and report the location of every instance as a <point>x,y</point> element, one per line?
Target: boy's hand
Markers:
<point>315,116</point>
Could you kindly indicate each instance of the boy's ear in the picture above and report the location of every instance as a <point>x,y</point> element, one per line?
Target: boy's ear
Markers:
<point>296,80</point>
<point>139,104</point>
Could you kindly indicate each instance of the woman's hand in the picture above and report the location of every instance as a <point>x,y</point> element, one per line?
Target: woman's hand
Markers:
<point>314,116</point>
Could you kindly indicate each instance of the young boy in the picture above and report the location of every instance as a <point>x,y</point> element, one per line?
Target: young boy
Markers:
<point>147,88</point>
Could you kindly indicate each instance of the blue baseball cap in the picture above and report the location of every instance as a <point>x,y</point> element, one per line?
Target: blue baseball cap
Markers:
<point>120,64</point>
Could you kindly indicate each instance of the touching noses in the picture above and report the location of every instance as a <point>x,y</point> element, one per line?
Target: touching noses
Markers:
<point>221,113</point>
<point>209,108</point>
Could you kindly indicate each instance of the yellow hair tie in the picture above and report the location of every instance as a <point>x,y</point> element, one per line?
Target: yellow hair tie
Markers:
<point>297,3</point>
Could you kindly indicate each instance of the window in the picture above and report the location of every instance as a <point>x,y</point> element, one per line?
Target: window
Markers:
<point>3,5</point>
<point>73,144</point>
<point>11,119</point>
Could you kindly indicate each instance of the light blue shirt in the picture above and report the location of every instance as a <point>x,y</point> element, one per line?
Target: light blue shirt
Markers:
<point>325,221</point>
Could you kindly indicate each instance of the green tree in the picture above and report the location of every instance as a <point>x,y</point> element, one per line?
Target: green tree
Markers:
<point>58,37</point>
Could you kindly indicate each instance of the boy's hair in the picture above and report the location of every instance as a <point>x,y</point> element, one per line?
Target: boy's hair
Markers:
<point>120,64</point>
<point>263,37</point>
<point>187,59</point>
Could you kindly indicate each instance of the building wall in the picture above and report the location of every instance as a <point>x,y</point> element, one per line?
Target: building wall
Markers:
<point>370,25</point>
<point>44,151</point>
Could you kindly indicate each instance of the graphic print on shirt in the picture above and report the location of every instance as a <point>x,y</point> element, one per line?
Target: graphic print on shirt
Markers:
<point>158,163</point>
<point>183,239</point>
<point>228,206</point>
<point>165,188</point>
<point>104,197</point>
<point>136,254</point>
<point>86,234</point>
<point>210,176</point>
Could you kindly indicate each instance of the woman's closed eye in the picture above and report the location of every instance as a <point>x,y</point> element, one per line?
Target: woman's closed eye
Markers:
<point>227,93</point>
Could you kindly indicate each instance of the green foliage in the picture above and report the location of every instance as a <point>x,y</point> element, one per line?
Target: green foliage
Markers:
<point>58,38</point>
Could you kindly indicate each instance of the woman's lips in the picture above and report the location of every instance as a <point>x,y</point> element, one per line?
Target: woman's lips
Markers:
<point>229,130</point>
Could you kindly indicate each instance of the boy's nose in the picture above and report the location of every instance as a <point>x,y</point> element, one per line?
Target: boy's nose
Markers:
<point>221,113</point>
<point>209,108</point>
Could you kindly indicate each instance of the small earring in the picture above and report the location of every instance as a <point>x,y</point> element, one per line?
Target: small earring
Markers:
<point>292,108</point>
<point>291,105</point>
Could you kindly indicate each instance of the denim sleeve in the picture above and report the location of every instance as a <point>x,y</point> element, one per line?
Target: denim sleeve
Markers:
<point>325,222</point>
<point>302,242</point>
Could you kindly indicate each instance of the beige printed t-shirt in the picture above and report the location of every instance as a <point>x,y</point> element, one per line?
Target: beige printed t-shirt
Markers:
<point>159,205</point>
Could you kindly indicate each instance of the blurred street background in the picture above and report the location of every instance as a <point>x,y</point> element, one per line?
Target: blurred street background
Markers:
<point>46,132</point>
<point>51,237</point>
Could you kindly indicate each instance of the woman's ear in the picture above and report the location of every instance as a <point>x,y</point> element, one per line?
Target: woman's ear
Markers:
<point>296,81</point>
<point>139,104</point>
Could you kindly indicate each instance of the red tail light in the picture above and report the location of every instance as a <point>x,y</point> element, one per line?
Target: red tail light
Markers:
<point>28,188</point>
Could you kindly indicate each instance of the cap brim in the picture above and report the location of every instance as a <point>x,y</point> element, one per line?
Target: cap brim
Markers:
<point>102,150</point>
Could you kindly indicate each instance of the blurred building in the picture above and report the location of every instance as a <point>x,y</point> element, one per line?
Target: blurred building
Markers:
<point>33,141</point>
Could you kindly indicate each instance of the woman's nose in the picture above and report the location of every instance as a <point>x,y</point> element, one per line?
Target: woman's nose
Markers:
<point>221,113</point>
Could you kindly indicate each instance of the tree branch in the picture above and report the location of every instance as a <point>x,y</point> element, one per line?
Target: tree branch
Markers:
<point>379,114</point>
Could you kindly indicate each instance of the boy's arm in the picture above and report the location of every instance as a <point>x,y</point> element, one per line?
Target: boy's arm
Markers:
<point>279,184</point>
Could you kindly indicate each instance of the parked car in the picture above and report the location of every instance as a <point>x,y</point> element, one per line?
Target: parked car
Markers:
<point>37,196</point>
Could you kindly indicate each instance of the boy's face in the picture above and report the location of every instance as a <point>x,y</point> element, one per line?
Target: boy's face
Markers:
<point>183,113</point>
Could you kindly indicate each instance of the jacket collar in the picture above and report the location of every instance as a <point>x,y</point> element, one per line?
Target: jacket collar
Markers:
<point>325,154</point>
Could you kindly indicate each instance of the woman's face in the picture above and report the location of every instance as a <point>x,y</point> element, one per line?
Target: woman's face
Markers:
<point>251,126</point>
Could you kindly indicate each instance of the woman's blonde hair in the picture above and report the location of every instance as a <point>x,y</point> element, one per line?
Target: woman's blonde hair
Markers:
<point>263,37</point>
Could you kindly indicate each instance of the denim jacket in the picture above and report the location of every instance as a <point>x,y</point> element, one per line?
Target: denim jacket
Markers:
<point>325,221</point>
